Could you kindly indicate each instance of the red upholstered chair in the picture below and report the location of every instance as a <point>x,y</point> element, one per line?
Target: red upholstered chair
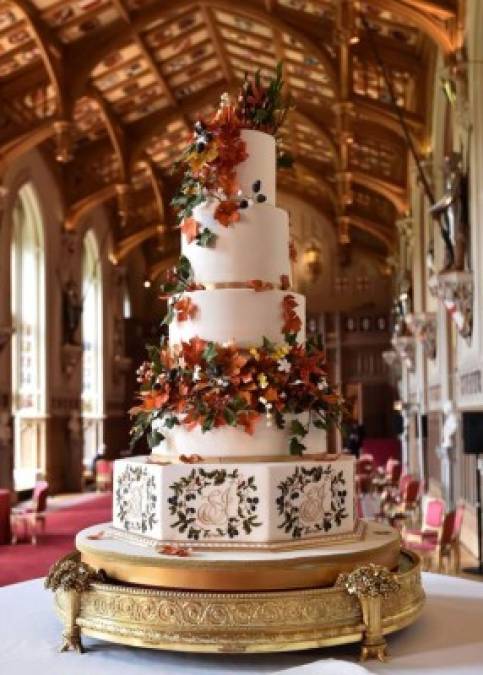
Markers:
<point>5,532</point>
<point>104,475</point>
<point>446,547</point>
<point>33,514</point>
<point>433,510</point>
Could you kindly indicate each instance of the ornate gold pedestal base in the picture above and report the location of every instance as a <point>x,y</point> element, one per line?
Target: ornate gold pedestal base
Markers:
<point>364,605</point>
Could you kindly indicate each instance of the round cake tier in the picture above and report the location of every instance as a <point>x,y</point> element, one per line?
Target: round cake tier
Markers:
<point>237,315</point>
<point>256,247</point>
<point>261,164</point>
<point>266,441</point>
<point>235,569</point>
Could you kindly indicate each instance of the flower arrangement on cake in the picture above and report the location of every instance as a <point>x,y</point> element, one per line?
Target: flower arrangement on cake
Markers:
<point>205,383</point>
<point>212,385</point>
<point>217,148</point>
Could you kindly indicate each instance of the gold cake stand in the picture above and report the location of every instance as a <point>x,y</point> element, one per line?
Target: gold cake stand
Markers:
<point>362,605</point>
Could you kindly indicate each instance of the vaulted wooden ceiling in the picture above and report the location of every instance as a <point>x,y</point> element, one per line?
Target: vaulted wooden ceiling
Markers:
<point>112,88</point>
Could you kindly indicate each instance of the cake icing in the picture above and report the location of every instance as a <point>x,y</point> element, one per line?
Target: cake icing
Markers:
<point>234,404</point>
<point>254,248</point>
<point>238,315</point>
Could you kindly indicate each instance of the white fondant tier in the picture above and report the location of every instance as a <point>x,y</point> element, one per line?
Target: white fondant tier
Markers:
<point>256,247</point>
<point>266,441</point>
<point>237,315</point>
<point>252,503</point>
<point>261,164</point>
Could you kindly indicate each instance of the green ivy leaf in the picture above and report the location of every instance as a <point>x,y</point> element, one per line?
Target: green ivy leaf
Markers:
<point>154,438</point>
<point>208,423</point>
<point>268,344</point>
<point>298,429</point>
<point>206,238</point>
<point>209,352</point>
<point>296,447</point>
<point>230,417</point>
<point>169,316</point>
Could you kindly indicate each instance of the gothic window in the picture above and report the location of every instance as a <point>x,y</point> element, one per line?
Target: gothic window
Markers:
<point>28,345</point>
<point>92,341</point>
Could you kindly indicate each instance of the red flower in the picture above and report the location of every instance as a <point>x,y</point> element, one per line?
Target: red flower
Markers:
<point>227,212</point>
<point>291,321</point>
<point>185,309</point>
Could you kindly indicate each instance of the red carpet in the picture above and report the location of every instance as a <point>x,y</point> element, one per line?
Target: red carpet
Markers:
<point>24,561</point>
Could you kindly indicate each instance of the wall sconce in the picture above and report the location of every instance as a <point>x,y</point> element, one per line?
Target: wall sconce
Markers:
<point>147,282</point>
<point>312,260</point>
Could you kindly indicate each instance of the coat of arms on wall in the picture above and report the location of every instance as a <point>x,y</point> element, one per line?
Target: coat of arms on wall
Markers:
<point>217,503</point>
<point>312,500</point>
<point>136,499</point>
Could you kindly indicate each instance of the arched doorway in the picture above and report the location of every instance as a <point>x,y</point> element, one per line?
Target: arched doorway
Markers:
<point>28,345</point>
<point>92,343</point>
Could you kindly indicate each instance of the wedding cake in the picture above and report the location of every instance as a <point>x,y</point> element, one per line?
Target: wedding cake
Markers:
<point>235,404</point>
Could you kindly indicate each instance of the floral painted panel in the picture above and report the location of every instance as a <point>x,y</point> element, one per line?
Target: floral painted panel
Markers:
<point>136,499</point>
<point>312,500</point>
<point>218,503</point>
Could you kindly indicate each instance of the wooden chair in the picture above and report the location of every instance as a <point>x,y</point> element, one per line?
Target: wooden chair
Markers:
<point>30,516</point>
<point>104,475</point>
<point>444,549</point>
<point>433,510</point>
<point>407,505</point>
<point>392,496</point>
<point>387,478</point>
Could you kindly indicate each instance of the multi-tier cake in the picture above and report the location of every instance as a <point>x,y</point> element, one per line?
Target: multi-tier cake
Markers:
<point>235,404</point>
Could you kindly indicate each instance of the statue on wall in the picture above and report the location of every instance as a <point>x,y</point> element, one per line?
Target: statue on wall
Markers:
<point>451,212</point>
<point>450,425</point>
<point>71,312</point>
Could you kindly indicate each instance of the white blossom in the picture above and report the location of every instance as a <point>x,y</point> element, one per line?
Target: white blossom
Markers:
<point>284,366</point>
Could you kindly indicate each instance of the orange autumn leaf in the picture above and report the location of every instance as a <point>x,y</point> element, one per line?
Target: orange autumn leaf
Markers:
<point>258,285</point>
<point>190,227</point>
<point>271,394</point>
<point>227,212</point>
<point>190,459</point>
<point>185,309</point>
<point>247,420</point>
<point>173,549</point>
<point>291,321</point>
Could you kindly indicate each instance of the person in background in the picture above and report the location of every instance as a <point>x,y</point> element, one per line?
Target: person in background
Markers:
<point>355,439</point>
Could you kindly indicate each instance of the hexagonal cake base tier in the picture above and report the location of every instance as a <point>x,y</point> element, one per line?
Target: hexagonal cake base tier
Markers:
<point>218,504</point>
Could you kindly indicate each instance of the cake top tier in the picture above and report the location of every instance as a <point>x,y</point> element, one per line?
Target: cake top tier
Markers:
<point>232,157</point>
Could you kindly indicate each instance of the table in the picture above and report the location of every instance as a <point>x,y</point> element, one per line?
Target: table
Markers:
<point>448,638</point>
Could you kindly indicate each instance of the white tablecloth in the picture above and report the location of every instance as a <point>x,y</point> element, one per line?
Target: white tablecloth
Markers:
<point>448,638</point>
